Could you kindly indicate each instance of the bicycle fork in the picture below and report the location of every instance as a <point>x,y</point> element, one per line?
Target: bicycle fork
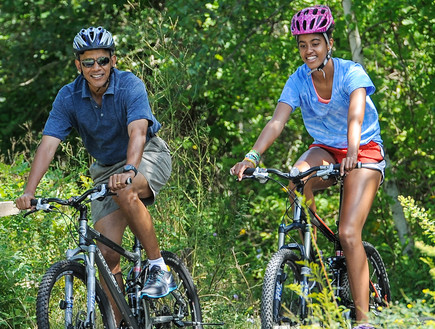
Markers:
<point>305,270</point>
<point>90,285</point>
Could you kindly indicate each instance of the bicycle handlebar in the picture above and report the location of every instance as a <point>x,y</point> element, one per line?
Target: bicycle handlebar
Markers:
<point>96,193</point>
<point>324,171</point>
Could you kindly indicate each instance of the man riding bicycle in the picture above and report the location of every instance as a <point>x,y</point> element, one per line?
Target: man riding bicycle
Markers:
<point>109,109</point>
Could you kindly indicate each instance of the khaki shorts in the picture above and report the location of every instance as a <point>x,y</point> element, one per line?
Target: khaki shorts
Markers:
<point>156,166</point>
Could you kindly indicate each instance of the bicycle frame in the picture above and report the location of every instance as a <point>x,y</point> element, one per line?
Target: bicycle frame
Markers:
<point>298,256</point>
<point>305,249</point>
<point>182,308</point>
<point>89,253</point>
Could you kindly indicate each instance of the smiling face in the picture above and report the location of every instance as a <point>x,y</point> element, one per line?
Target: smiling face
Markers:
<point>97,75</point>
<point>313,49</point>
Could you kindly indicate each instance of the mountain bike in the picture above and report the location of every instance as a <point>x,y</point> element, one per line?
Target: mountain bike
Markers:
<point>284,306</point>
<point>70,295</point>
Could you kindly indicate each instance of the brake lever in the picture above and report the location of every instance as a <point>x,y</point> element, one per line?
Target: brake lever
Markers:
<point>101,194</point>
<point>324,174</point>
<point>259,174</point>
<point>46,207</point>
<point>245,177</point>
<point>30,212</point>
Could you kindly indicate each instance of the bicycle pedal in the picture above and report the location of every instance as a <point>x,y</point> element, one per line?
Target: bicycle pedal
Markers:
<point>122,325</point>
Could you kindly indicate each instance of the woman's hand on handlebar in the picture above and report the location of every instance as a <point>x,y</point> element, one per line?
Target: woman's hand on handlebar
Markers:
<point>348,164</point>
<point>240,167</point>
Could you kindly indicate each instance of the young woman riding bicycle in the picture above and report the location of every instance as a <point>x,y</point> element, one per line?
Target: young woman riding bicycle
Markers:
<point>333,95</point>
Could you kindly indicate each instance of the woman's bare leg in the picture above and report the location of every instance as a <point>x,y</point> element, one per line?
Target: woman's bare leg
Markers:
<point>360,187</point>
<point>315,156</point>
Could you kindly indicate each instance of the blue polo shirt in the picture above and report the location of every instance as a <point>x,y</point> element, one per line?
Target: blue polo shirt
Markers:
<point>327,123</point>
<point>102,129</point>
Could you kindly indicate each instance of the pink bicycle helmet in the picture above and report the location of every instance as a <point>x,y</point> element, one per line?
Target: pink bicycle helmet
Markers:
<point>316,19</point>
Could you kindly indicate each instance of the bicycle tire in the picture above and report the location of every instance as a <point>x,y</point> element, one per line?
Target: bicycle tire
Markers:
<point>50,302</point>
<point>168,306</point>
<point>380,294</point>
<point>281,271</point>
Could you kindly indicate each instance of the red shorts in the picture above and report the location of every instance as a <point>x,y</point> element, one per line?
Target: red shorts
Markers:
<point>369,153</point>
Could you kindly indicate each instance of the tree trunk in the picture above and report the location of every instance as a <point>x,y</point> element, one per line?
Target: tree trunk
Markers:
<point>390,185</point>
<point>353,35</point>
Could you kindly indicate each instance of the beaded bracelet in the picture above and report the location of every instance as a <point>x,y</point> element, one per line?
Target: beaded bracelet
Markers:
<point>251,161</point>
<point>253,156</point>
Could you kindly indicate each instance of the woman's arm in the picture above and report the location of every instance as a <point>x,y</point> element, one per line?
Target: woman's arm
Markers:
<point>268,135</point>
<point>355,119</point>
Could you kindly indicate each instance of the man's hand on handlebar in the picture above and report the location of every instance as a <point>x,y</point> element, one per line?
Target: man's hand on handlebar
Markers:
<point>23,202</point>
<point>119,181</point>
<point>240,167</point>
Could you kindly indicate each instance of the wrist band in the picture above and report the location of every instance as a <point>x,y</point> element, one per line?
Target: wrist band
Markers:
<point>251,161</point>
<point>253,156</point>
<point>255,152</point>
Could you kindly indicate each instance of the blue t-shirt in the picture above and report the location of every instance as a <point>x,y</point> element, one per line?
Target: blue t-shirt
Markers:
<point>102,129</point>
<point>327,123</point>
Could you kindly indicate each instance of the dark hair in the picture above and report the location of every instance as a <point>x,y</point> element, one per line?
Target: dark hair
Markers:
<point>330,30</point>
<point>328,33</point>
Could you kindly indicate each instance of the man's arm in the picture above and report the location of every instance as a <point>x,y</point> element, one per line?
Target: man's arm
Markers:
<point>43,157</point>
<point>137,130</point>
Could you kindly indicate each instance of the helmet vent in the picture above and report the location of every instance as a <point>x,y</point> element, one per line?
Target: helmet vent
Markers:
<point>93,38</point>
<point>315,19</point>
<point>323,23</point>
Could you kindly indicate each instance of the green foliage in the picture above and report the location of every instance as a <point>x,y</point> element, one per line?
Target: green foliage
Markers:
<point>214,71</point>
<point>426,241</point>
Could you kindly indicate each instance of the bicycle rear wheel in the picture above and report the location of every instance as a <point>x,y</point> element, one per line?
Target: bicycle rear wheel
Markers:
<point>380,294</point>
<point>51,310</point>
<point>181,308</point>
<point>281,304</point>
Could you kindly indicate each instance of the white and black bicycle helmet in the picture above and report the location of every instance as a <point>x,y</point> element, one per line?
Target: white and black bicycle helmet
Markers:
<point>93,38</point>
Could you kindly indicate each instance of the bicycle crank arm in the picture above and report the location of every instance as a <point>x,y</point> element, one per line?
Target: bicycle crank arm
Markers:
<point>191,323</point>
<point>182,324</point>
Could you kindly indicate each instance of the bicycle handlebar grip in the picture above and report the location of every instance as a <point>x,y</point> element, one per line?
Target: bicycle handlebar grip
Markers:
<point>33,202</point>
<point>358,165</point>
<point>249,171</point>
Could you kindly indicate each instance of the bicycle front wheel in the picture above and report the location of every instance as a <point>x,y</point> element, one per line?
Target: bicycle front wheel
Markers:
<point>181,308</point>
<point>280,301</point>
<point>52,311</point>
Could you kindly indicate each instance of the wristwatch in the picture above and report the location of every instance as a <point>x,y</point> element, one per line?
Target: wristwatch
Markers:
<point>130,167</point>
